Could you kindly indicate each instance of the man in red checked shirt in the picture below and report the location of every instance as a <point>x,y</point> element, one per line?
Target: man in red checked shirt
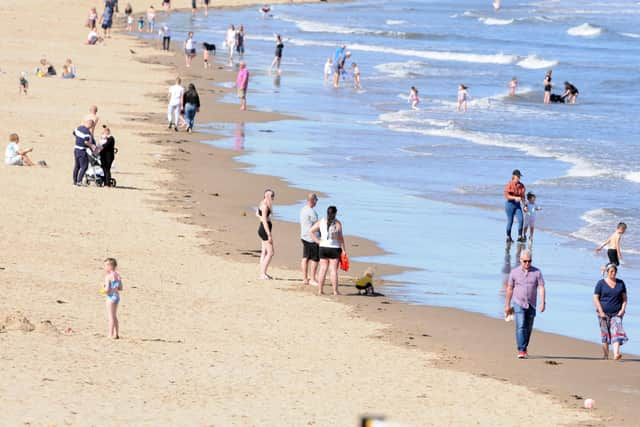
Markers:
<point>515,192</point>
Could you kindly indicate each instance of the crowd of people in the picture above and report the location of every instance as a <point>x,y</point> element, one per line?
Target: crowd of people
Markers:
<point>525,281</point>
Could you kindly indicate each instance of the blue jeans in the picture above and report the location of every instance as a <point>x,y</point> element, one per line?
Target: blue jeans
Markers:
<point>80,165</point>
<point>524,325</point>
<point>189,114</point>
<point>513,209</point>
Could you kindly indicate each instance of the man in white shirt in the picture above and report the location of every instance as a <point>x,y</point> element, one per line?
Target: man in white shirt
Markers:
<point>175,103</point>
<point>310,249</point>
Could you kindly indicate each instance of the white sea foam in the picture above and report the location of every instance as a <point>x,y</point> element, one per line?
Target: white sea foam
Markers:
<point>495,21</point>
<point>585,30</point>
<point>395,22</point>
<point>632,176</point>
<point>631,35</point>
<point>534,62</point>
<point>322,27</point>
<point>402,69</point>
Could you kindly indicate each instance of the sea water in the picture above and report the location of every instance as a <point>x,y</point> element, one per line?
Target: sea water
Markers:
<point>428,185</point>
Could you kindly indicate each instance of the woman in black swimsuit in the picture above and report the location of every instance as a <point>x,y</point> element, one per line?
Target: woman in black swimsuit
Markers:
<point>278,55</point>
<point>264,231</point>
<point>547,87</point>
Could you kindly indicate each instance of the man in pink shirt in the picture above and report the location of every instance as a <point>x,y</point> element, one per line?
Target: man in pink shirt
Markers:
<point>242,83</point>
<point>523,285</point>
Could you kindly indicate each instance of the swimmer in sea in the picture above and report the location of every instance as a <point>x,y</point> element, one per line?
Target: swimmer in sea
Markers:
<point>413,98</point>
<point>547,87</point>
<point>513,84</point>
<point>463,97</point>
<point>570,93</point>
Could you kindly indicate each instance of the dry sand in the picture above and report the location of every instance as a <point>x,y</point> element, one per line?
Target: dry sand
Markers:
<point>204,342</point>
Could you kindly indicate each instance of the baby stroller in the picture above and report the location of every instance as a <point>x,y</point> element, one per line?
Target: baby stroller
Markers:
<point>95,173</point>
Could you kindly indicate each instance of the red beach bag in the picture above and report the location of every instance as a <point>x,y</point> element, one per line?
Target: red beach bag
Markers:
<point>344,262</point>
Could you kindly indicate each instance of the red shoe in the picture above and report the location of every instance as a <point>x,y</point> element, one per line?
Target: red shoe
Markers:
<point>522,355</point>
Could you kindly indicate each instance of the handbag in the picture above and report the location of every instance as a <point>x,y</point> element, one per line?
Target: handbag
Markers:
<point>344,262</point>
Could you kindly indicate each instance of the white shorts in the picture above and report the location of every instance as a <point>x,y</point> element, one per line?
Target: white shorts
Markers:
<point>529,221</point>
<point>14,161</point>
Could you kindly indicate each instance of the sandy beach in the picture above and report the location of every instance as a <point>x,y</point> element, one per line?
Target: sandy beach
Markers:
<point>203,341</point>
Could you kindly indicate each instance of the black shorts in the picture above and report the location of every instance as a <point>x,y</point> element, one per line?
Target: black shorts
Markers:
<point>310,251</point>
<point>330,253</point>
<point>613,257</point>
<point>262,232</point>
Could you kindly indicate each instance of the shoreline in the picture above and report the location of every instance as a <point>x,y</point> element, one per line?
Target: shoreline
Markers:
<point>404,320</point>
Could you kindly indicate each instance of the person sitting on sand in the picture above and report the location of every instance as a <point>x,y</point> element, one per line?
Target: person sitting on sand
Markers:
<point>45,69</point>
<point>68,70</point>
<point>14,156</point>
<point>93,38</point>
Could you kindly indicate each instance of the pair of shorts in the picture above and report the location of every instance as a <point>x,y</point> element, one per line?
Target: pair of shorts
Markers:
<point>262,232</point>
<point>310,251</point>
<point>330,253</point>
<point>14,161</point>
<point>190,52</point>
<point>529,221</point>
<point>242,93</point>
<point>613,257</point>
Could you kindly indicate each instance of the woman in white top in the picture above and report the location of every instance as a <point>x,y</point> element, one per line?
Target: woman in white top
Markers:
<point>231,42</point>
<point>189,49</point>
<point>331,243</point>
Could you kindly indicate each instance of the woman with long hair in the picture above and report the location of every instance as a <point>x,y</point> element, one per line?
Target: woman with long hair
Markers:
<point>264,212</point>
<point>332,246</point>
<point>190,106</point>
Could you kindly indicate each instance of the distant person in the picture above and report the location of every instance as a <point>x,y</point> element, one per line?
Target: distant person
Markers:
<point>190,106</point>
<point>68,69</point>
<point>23,83</point>
<point>463,97</point>
<point>83,140</point>
<point>496,5</point>
<point>194,7</point>
<point>140,24</point>
<point>111,289</point>
<point>310,249</point>
<point>151,19</point>
<point>206,7</point>
<point>107,153</point>
<point>128,11</point>
<point>175,94</point>
<point>265,209</point>
<point>610,299</point>
<point>570,94</point>
<point>93,116</point>
<point>514,192</point>
<point>129,23</point>
<point>189,49</point>
<point>614,248</point>
<point>513,85</point>
<point>166,37</point>
<point>264,10</point>
<point>414,99</point>
<point>338,59</point>
<point>14,155</point>
<point>356,76</point>
<point>166,5</point>
<point>92,19</point>
<point>523,286</point>
<point>328,69</point>
<point>242,84</point>
<point>230,40</point>
<point>332,246</point>
<point>45,69</point>
<point>106,20</point>
<point>530,216</point>
<point>277,60</point>
<point>93,38</point>
<point>240,37</point>
<point>547,87</point>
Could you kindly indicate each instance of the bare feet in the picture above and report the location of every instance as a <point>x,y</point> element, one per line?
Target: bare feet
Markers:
<point>313,283</point>
<point>617,356</point>
<point>266,277</point>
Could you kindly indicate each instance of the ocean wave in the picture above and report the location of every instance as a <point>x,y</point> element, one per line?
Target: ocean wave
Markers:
<point>631,35</point>
<point>496,21</point>
<point>600,223</point>
<point>632,176</point>
<point>585,30</point>
<point>395,22</point>
<point>403,69</point>
<point>322,27</point>
<point>534,62</point>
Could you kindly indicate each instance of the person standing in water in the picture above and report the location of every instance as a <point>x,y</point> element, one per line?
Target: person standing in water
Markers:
<point>278,54</point>
<point>240,35</point>
<point>463,96</point>
<point>242,84</point>
<point>338,60</point>
<point>413,98</point>
<point>189,49</point>
<point>614,249</point>
<point>570,93</point>
<point>547,87</point>
<point>231,42</point>
<point>513,85</point>
<point>514,192</point>
<point>265,209</point>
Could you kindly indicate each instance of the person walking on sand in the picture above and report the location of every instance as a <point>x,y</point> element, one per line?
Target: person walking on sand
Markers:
<point>84,139</point>
<point>610,299</point>
<point>111,290</point>
<point>175,94</point>
<point>614,250</point>
<point>106,20</point>
<point>523,286</point>
<point>264,212</point>
<point>151,19</point>
<point>242,83</point>
<point>278,54</point>
<point>310,249</point>
<point>331,242</point>
<point>547,87</point>
<point>190,106</point>
<point>231,42</point>
<point>515,192</point>
<point>240,36</point>
<point>166,37</point>
<point>189,49</point>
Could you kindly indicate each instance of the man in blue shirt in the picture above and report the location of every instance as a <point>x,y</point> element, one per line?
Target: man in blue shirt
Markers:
<point>84,140</point>
<point>338,58</point>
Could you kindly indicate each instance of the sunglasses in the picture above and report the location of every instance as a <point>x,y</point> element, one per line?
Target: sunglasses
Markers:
<point>526,260</point>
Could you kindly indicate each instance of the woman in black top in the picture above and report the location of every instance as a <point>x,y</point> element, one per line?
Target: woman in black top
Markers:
<point>547,87</point>
<point>107,153</point>
<point>190,105</point>
<point>278,56</point>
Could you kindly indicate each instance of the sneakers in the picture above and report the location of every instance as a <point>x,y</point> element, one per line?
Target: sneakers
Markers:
<point>522,355</point>
<point>522,239</point>
<point>509,239</point>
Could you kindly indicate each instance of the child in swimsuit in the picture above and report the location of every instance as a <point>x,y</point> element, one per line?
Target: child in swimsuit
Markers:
<point>92,19</point>
<point>463,96</point>
<point>140,24</point>
<point>513,84</point>
<point>413,98</point>
<point>111,289</point>
<point>614,250</point>
<point>356,75</point>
